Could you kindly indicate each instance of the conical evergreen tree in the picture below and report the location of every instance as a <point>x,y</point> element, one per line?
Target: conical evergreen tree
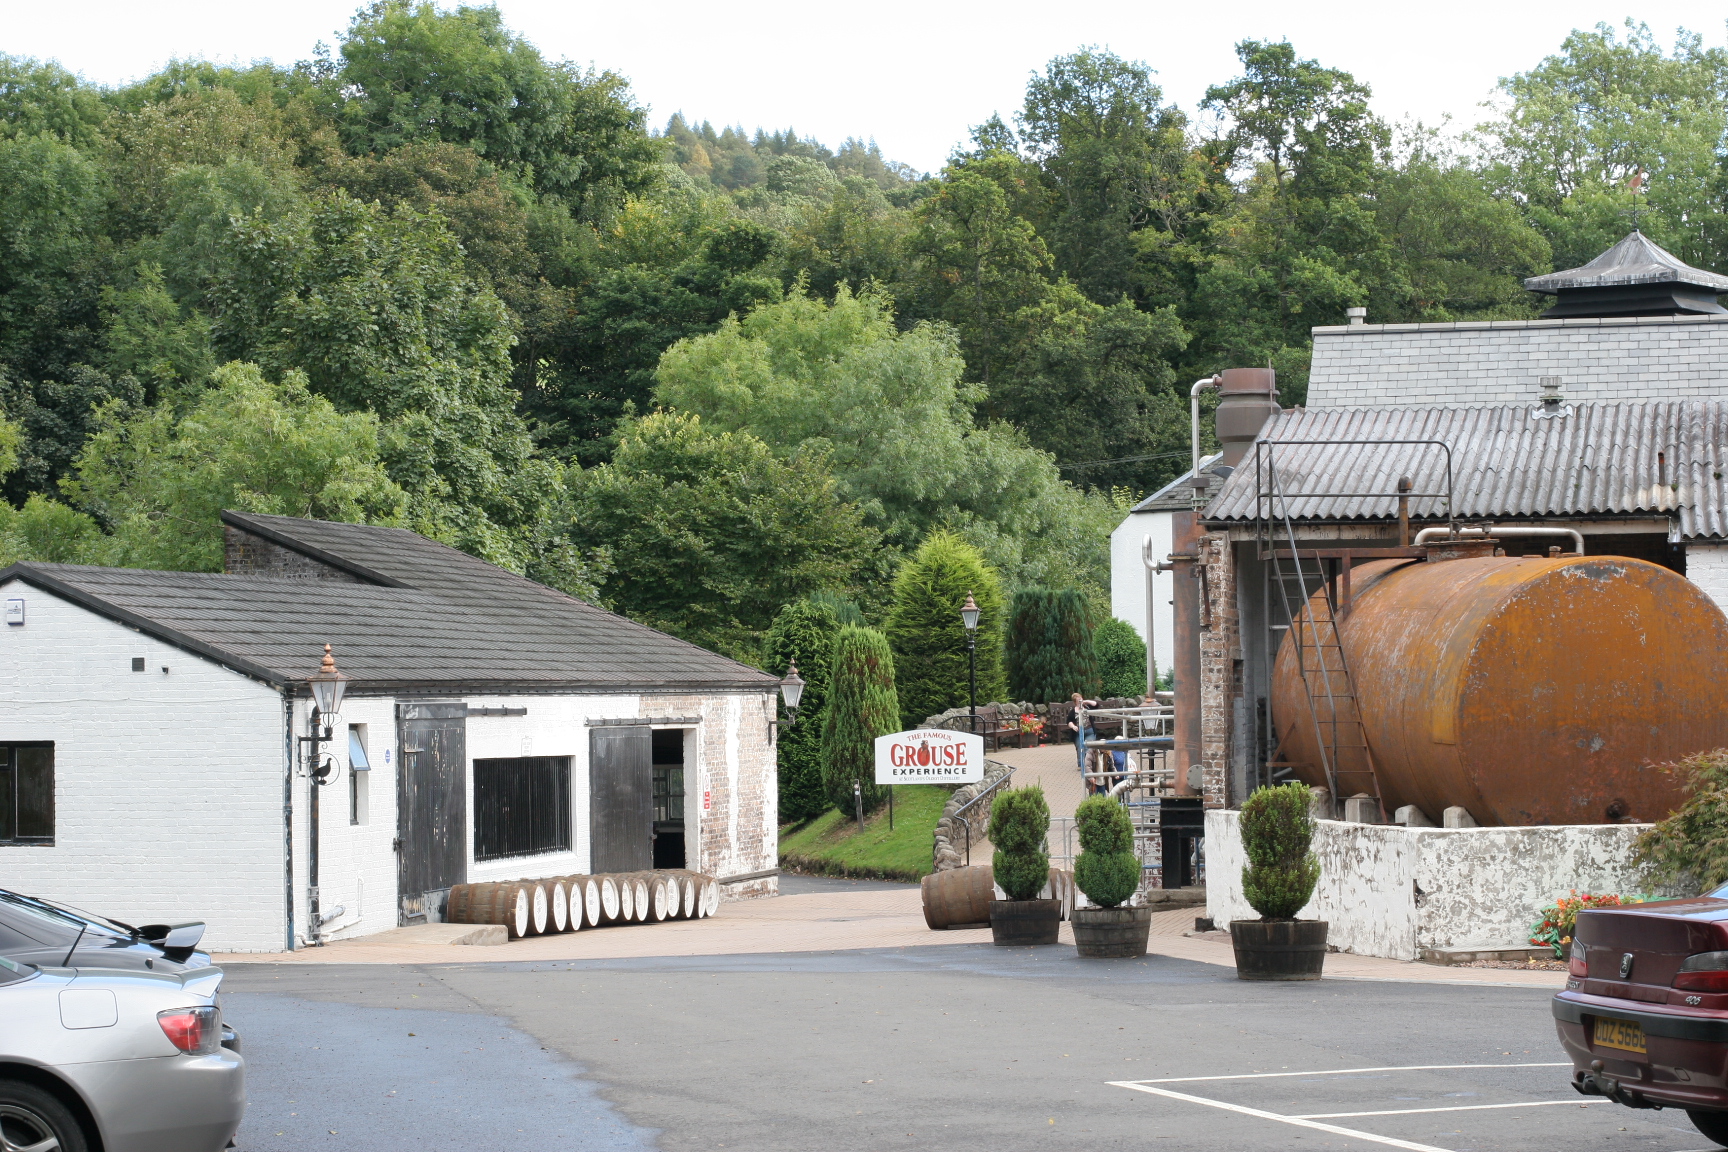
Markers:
<point>862,705</point>
<point>928,637</point>
<point>1121,658</point>
<point>1050,653</point>
<point>803,631</point>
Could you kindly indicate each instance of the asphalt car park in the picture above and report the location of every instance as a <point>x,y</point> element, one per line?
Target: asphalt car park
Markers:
<point>939,1046</point>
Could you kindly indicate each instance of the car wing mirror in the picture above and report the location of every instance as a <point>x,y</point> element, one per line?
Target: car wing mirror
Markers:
<point>183,936</point>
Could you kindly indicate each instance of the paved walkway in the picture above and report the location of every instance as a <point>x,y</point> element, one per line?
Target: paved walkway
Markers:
<point>829,922</point>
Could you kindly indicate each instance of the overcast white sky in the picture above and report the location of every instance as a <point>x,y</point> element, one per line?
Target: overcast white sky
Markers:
<point>913,75</point>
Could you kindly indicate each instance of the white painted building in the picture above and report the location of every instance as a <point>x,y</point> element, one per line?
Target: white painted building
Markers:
<point>151,765</point>
<point>1131,594</point>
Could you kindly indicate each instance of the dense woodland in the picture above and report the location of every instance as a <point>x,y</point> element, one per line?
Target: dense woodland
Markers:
<point>434,278</point>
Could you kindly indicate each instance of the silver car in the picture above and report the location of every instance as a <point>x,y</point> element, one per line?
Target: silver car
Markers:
<point>124,1061</point>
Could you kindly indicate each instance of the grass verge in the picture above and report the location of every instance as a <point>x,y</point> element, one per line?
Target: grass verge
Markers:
<point>833,845</point>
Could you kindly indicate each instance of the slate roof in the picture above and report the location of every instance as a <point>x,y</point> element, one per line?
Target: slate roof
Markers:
<point>1508,460</point>
<point>1635,260</point>
<point>431,618</point>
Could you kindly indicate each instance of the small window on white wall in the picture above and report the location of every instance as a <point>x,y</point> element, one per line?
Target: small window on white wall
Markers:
<point>359,774</point>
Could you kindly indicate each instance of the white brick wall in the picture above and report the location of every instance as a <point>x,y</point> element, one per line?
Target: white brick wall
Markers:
<point>1483,362</point>
<point>1707,567</point>
<point>1128,581</point>
<point>168,787</point>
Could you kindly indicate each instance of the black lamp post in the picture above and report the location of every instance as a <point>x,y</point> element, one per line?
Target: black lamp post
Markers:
<point>969,613</point>
<point>327,686</point>
<point>792,691</point>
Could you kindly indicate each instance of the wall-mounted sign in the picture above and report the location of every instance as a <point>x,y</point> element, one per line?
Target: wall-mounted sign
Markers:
<point>929,756</point>
<point>15,610</point>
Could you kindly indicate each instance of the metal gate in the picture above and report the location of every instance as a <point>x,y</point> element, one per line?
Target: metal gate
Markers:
<point>431,806</point>
<point>620,800</point>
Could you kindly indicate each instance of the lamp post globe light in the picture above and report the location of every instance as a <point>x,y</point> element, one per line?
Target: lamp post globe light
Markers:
<point>969,613</point>
<point>792,691</point>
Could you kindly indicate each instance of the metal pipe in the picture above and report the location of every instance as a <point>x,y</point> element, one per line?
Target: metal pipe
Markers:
<point>1428,534</point>
<point>1194,419</point>
<point>1153,567</point>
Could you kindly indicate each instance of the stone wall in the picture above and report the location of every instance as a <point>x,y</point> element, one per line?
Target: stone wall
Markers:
<point>1498,361</point>
<point>950,839</point>
<point>1388,890</point>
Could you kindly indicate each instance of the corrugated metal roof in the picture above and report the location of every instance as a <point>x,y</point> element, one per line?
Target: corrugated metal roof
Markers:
<point>1508,461</point>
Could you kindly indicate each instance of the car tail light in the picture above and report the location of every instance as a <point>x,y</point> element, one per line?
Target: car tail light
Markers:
<point>193,1030</point>
<point>1576,964</point>
<point>1705,972</point>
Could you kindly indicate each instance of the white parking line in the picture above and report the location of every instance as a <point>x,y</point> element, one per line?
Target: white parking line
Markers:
<point>1313,1120</point>
<point>1389,1141</point>
<point>1346,1071</point>
<point>1450,1108</point>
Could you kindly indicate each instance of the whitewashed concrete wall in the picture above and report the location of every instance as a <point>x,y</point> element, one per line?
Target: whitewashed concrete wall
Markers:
<point>168,786</point>
<point>1387,890</point>
<point>1496,361</point>
<point>1128,581</point>
<point>1707,567</point>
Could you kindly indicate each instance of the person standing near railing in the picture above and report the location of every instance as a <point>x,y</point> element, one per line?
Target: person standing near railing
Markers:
<point>1082,732</point>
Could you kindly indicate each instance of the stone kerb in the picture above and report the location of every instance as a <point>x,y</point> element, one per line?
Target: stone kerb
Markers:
<point>1392,891</point>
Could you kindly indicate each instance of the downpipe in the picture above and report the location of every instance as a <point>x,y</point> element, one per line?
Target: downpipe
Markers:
<point>1194,419</point>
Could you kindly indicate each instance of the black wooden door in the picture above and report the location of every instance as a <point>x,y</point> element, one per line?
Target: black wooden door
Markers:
<point>431,806</point>
<point>620,800</point>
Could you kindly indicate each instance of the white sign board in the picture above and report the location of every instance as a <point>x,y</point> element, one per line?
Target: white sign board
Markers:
<point>929,756</point>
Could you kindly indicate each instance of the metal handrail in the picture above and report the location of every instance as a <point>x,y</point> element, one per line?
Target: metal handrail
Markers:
<point>960,812</point>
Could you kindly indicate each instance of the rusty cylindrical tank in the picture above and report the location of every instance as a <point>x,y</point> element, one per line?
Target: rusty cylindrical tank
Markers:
<point>1527,691</point>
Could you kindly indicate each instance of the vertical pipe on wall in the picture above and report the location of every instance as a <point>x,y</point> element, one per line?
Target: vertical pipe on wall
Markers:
<point>1185,635</point>
<point>288,816</point>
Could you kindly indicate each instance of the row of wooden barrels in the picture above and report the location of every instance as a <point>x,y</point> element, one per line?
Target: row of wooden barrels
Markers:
<point>569,903</point>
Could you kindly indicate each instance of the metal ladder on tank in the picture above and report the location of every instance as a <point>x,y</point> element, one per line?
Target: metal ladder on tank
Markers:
<point>1323,667</point>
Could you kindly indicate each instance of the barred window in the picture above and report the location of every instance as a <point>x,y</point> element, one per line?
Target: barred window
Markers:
<point>521,806</point>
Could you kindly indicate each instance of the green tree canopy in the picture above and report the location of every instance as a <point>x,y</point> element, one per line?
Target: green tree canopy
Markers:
<point>1121,658</point>
<point>159,480</point>
<point>928,636</point>
<point>709,533</point>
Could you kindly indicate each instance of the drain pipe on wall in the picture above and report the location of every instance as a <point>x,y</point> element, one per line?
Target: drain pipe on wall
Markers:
<point>1428,534</point>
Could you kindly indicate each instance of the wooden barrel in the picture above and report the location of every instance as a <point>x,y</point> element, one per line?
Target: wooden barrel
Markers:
<point>590,901</point>
<point>710,896</point>
<point>577,889</point>
<point>611,901</point>
<point>665,902</point>
<point>558,888</point>
<point>958,897</point>
<point>686,897</point>
<point>626,898</point>
<point>540,906</point>
<point>507,904</point>
<point>644,899</point>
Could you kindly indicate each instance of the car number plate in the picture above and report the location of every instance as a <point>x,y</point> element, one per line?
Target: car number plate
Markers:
<point>1621,1034</point>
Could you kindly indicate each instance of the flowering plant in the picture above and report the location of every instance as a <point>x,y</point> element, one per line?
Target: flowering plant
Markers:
<point>1030,725</point>
<point>1560,919</point>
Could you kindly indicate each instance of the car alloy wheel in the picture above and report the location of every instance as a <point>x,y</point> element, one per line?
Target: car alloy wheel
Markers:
<point>32,1120</point>
<point>21,1130</point>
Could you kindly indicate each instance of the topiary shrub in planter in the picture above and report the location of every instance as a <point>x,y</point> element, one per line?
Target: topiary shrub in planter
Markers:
<point>1019,820</point>
<point>1277,831</point>
<point>1109,873</point>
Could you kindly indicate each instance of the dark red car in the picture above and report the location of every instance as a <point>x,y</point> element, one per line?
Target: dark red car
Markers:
<point>1645,1013</point>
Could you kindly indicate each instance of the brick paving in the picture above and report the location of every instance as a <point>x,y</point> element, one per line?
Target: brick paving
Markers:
<point>827,922</point>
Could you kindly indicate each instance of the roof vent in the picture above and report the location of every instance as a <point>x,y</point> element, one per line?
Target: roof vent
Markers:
<point>1553,401</point>
<point>1357,315</point>
<point>1636,277</point>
